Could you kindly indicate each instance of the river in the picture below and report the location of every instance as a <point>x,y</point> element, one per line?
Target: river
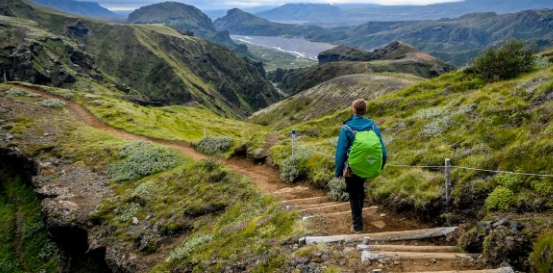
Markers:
<point>298,47</point>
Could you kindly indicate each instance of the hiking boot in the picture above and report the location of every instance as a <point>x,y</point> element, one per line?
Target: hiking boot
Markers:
<point>356,231</point>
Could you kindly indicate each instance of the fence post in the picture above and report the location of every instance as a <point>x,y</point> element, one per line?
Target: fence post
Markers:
<point>204,133</point>
<point>293,143</point>
<point>447,180</point>
<point>5,79</point>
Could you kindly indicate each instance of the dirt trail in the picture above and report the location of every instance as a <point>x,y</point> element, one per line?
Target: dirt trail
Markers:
<point>266,178</point>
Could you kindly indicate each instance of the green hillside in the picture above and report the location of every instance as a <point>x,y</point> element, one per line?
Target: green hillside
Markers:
<point>330,96</point>
<point>148,64</point>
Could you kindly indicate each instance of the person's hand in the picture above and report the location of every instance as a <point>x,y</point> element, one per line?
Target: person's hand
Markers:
<point>339,177</point>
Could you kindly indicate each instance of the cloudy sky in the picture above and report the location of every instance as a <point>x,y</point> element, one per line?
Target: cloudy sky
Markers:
<point>226,4</point>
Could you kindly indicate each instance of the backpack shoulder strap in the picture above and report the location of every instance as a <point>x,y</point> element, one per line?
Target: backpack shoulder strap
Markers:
<point>353,131</point>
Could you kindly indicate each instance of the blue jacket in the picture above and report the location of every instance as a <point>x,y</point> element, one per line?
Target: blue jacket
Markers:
<point>345,141</point>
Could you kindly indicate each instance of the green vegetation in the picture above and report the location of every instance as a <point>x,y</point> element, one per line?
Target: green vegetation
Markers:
<point>213,145</point>
<point>138,159</point>
<point>507,62</point>
<point>53,103</point>
<point>175,123</point>
<point>541,258</point>
<point>337,190</point>
<point>24,243</point>
<point>21,92</point>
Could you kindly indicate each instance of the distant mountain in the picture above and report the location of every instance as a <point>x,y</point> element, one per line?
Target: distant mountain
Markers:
<point>240,22</point>
<point>301,13</point>
<point>356,14</point>
<point>218,13</point>
<point>147,64</point>
<point>90,9</point>
<point>187,19</point>
<point>453,40</point>
<point>178,15</point>
<point>397,57</point>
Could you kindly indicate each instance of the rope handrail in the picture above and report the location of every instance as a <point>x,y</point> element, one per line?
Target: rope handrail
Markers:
<point>473,169</point>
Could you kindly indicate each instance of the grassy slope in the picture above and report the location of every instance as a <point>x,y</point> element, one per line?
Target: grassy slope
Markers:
<point>188,203</point>
<point>329,97</point>
<point>500,126</point>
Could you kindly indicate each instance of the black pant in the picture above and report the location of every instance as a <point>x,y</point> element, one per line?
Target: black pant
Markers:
<point>356,190</point>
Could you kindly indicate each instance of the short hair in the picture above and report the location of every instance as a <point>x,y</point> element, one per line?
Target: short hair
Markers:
<point>360,106</point>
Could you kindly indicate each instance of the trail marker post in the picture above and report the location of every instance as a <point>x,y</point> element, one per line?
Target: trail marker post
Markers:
<point>5,79</point>
<point>293,143</point>
<point>204,133</point>
<point>447,180</point>
<point>136,126</point>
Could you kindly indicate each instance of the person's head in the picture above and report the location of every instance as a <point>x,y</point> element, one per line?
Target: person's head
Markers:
<point>359,107</point>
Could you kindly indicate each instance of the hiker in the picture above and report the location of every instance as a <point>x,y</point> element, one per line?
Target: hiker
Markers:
<point>355,182</point>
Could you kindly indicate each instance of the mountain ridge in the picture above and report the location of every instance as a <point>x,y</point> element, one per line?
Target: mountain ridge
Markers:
<point>85,8</point>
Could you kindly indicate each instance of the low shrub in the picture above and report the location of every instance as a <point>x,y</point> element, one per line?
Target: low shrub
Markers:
<point>500,199</point>
<point>541,258</point>
<point>190,246</point>
<point>337,190</point>
<point>504,63</point>
<point>53,103</point>
<point>18,92</point>
<point>289,171</point>
<point>139,159</point>
<point>213,145</point>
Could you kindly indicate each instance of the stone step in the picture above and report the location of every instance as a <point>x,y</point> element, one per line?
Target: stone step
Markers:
<point>384,236</point>
<point>404,248</point>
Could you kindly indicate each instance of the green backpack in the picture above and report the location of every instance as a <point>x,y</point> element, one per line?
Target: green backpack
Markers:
<point>365,156</point>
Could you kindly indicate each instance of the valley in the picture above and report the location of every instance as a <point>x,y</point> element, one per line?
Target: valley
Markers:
<point>298,47</point>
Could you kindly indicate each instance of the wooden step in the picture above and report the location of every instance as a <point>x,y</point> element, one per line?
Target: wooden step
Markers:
<point>397,255</point>
<point>306,201</point>
<point>321,205</point>
<point>403,248</point>
<point>498,270</point>
<point>384,236</point>
<point>368,210</point>
<point>320,209</point>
